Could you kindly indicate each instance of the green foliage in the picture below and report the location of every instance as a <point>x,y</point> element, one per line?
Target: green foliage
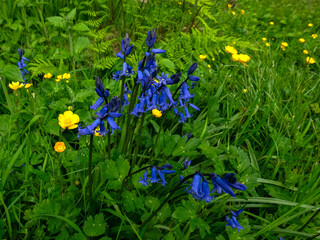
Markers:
<point>260,121</point>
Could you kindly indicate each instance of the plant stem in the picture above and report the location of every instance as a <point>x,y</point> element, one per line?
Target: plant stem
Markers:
<point>138,141</point>
<point>109,143</point>
<point>167,199</point>
<point>90,174</point>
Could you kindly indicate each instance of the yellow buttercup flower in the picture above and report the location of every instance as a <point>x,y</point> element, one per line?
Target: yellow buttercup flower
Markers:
<point>284,44</point>
<point>242,11</point>
<point>305,51</point>
<point>268,44</point>
<point>310,25</point>
<point>271,23</point>
<point>48,75</point>
<point>243,58</point>
<point>68,120</point>
<point>70,108</point>
<point>229,6</point>
<point>235,57</point>
<point>27,85</point>
<point>314,36</point>
<point>244,90</point>
<point>202,57</point>
<point>179,3</point>
<point>283,48</point>
<point>264,39</point>
<point>310,60</point>
<point>231,50</point>
<point>156,113</point>
<point>234,13</point>
<point>59,147</point>
<point>15,85</point>
<point>97,132</point>
<point>209,66</point>
<point>302,40</point>
<point>59,77</point>
<point>66,76</point>
<point>234,43</point>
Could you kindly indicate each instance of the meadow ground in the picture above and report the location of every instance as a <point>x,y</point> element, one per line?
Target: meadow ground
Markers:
<point>237,117</point>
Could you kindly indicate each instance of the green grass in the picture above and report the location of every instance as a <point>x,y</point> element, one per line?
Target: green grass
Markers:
<point>268,135</point>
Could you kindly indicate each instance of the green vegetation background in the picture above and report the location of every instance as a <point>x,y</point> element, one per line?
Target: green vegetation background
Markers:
<point>268,133</point>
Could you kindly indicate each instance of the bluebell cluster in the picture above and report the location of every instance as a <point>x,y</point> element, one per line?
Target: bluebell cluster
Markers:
<point>232,222</point>
<point>21,64</point>
<point>200,186</point>
<point>108,112</point>
<point>155,172</point>
<point>126,49</point>
<point>185,96</point>
<point>155,91</point>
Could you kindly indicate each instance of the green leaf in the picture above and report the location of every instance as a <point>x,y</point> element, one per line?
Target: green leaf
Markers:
<point>57,21</point>
<point>80,44</point>
<point>95,227</point>
<point>71,15</point>
<point>80,27</point>
<point>183,214</point>
<point>12,73</point>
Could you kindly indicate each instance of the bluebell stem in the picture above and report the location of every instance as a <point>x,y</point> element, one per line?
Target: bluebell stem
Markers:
<point>232,222</point>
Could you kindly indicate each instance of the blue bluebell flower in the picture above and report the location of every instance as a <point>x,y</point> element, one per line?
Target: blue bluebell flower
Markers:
<point>206,191</point>
<point>157,51</point>
<point>196,187</point>
<point>231,180</point>
<point>21,64</point>
<point>186,163</point>
<point>220,185</point>
<point>174,79</point>
<point>103,114</point>
<point>151,38</point>
<point>154,175</point>
<point>155,171</point>
<point>228,180</point>
<point>101,92</point>
<point>125,100</point>
<point>194,78</point>
<point>192,68</point>
<point>232,222</point>
<point>144,180</point>
<point>184,93</point>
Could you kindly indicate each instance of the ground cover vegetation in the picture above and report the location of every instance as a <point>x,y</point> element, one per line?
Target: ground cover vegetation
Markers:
<point>136,119</point>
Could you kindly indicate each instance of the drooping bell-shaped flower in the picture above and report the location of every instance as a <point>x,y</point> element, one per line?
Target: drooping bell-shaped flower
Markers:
<point>192,68</point>
<point>231,180</point>
<point>144,179</point>
<point>232,222</point>
<point>151,38</point>
<point>219,185</point>
<point>196,187</point>
<point>205,189</point>
<point>154,176</point>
